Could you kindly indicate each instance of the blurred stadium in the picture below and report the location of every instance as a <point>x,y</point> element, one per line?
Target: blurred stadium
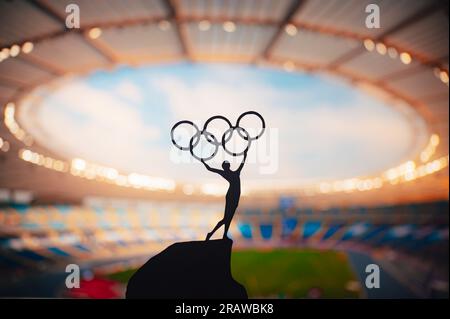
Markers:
<point>309,231</point>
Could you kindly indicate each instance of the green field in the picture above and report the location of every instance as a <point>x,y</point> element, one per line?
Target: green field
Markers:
<point>288,273</point>
<point>291,273</point>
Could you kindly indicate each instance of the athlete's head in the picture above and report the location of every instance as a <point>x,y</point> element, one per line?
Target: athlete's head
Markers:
<point>226,165</point>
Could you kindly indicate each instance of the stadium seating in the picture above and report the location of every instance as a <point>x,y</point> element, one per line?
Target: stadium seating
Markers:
<point>33,235</point>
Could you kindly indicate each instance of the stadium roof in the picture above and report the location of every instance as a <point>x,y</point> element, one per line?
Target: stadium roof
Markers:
<point>405,60</point>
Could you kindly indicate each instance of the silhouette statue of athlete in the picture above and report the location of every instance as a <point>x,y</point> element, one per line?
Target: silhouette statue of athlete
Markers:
<point>233,193</point>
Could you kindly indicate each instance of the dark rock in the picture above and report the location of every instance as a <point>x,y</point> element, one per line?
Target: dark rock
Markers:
<point>197,269</point>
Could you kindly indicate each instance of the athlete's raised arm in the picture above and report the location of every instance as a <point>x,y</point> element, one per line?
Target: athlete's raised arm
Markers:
<point>243,162</point>
<point>211,169</point>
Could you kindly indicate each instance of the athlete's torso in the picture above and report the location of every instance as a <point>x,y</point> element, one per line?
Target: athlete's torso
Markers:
<point>235,183</point>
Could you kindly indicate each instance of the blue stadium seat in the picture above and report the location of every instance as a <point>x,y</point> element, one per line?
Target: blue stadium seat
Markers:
<point>374,232</point>
<point>81,247</point>
<point>288,226</point>
<point>266,231</point>
<point>21,208</point>
<point>332,229</point>
<point>246,230</point>
<point>310,228</point>
<point>58,251</point>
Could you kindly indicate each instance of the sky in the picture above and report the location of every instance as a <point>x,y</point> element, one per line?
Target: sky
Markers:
<point>318,128</point>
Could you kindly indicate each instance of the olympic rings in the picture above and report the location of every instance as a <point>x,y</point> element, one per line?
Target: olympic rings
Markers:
<point>198,136</point>
<point>262,122</point>
<point>231,129</point>
<point>212,119</point>
<point>186,148</point>
<point>226,136</point>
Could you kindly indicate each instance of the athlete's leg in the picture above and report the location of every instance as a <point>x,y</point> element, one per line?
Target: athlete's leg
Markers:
<point>225,231</point>
<point>220,223</point>
<point>227,220</point>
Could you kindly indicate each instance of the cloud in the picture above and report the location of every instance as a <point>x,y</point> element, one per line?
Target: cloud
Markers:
<point>325,130</point>
<point>318,140</point>
<point>130,91</point>
<point>91,123</point>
